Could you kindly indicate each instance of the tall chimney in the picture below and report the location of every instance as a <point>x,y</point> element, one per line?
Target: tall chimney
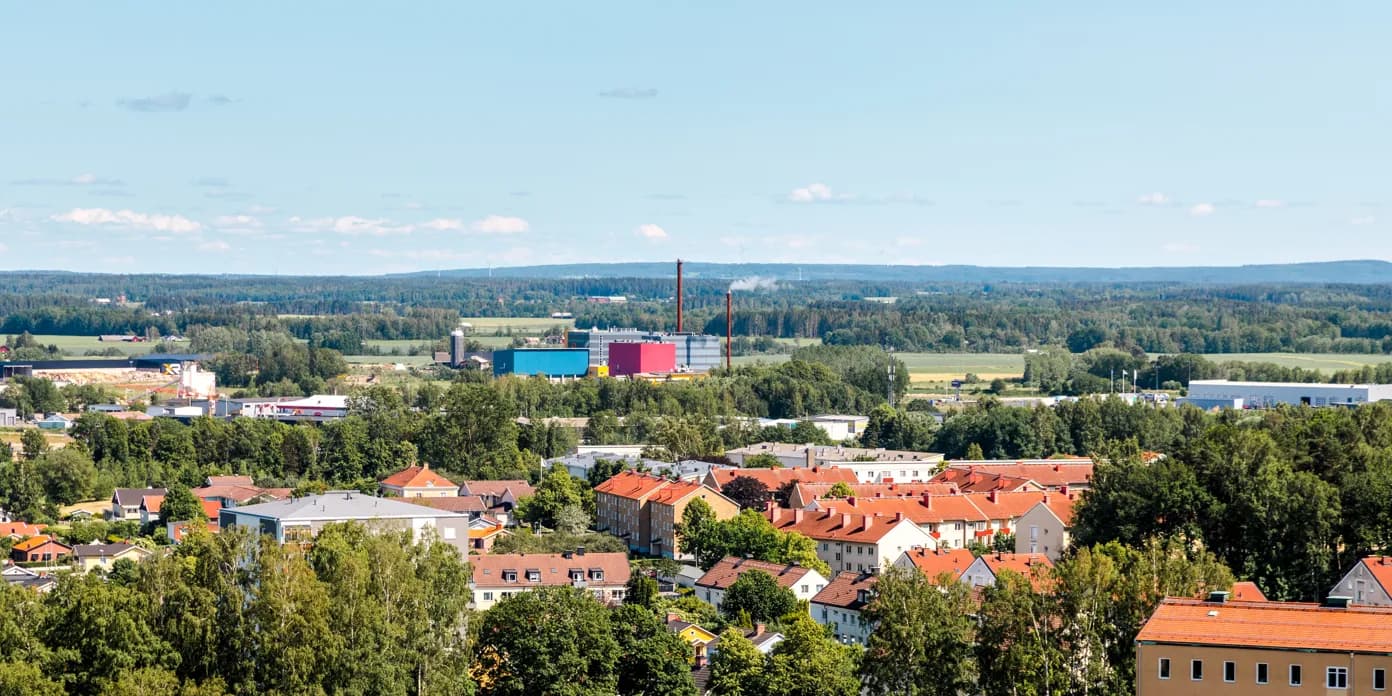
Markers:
<point>729,328</point>
<point>679,295</point>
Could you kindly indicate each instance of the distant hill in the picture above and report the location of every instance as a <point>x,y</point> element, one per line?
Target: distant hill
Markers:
<point>1320,272</point>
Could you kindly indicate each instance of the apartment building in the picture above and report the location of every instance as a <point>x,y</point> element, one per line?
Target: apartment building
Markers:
<point>1200,647</point>
<point>849,541</point>
<point>838,606</point>
<point>955,521</point>
<point>644,510</point>
<point>604,575</point>
<point>871,465</point>
<point>1046,528</point>
<point>804,583</point>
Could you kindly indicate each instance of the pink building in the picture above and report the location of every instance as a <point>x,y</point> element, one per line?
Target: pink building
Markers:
<point>631,358</point>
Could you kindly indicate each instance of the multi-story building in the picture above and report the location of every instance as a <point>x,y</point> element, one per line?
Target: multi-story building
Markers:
<point>1052,474</point>
<point>869,465</point>
<point>934,562</point>
<point>838,606</point>
<point>301,519</point>
<point>1045,528</point>
<point>774,479</point>
<point>495,577</point>
<point>1197,648</point>
<point>644,510</point>
<point>804,493</point>
<point>804,583</point>
<point>986,568</point>
<point>847,541</point>
<point>418,482</point>
<point>953,521</point>
<point>1369,582</point>
<point>694,352</point>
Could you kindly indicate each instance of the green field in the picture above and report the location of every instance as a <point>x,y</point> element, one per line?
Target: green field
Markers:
<point>518,325</point>
<point>937,367</point>
<point>1325,362</point>
<point>76,346</point>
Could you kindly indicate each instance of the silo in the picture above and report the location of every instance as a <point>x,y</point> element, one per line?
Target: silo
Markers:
<point>456,348</point>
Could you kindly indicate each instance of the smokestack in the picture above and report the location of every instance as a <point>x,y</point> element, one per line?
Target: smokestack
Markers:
<point>679,295</point>
<point>729,328</point>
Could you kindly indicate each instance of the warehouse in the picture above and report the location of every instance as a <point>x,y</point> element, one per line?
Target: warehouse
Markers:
<point>1207,393</point>
<point>553,363</point>
<point>633,358</point>
<point>695,352</point>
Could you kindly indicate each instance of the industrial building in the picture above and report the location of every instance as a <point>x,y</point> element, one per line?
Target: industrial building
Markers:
<point>1221,393</point>
<point>547,362</point>
<point>634,358</point>
<point>694,352</point>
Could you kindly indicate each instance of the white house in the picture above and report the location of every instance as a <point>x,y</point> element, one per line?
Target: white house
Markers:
<point>852,542</point>
<point>984,571</point>
<point>838,606</point>
<point>1369,582</point>
<point>803,582</point>
<point>495,576</point>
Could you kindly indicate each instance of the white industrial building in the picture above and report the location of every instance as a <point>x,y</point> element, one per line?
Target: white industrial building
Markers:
<point>1221,393</point>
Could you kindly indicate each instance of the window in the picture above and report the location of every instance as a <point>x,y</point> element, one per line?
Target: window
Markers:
<point>509,576</point>
<point>596,574</point>
<point>533,576</point>
<point>1196,670</point>
<point>1261,673</point>
<point>1164,668</point>
<point>804,589</point>
<point>487,596</point>
<point>1336,678</point>
<point>1295,675</point>
<point>1230,672</point>
<point>1379,680</point>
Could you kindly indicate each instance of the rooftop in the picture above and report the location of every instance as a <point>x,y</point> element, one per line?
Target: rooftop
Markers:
<point>551,569</point>
<point>847,590</point>
<point>631,484</point>
<point>341,505</point>
<point>933,563</point>
<point>419,476</point>
<point>834,524</point>
<point>1050,473</point>
<point>776,478</point>
<point>725,572</point>
<point>1270,625</point>
<point>519,488</point>
<point>837,452</point>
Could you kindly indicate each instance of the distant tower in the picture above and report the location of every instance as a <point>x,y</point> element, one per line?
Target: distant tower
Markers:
<point>456,348</point>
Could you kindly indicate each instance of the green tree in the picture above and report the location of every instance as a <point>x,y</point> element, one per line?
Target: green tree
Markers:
<point>699,534</point>
<point>749,492</point>
<point>922,642</point>
<point>762,461</point>
<point>22,493</point>
<point>738,668</point>
<point>551,640</point>
<point>809,663</point>
<point>642,590</point>
<point>27,679</point>
<point>474,433</point>
<point>98,630</point>
<point>34,443</point>
<point>288,615</point>
<point>652,660</point>
<point>1019,651</point>
<point>556,492</point>
<point>759,594</point>
<point>181,505</point>
<point>974,452</point>
<point>68,475</point>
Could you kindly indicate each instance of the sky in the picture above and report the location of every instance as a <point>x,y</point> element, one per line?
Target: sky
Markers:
<point>366,138</point>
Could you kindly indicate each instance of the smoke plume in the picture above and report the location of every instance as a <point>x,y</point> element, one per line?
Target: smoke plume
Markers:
<point>754,283</point>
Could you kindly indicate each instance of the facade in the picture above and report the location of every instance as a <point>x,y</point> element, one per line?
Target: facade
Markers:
<point>1196,647</point>
<point>55,421</point>
<point>1045,528</point>
<point>500,496</point>
<point>985,569</point>
<point>418,482</point>
<point>605,575</point>
<point>694,352</point>
<point>552,363</point>
<point>300,519</point>
<point>19,576</point>
<point>804,583</point>
<point>1267,394</point>
<point>838,607</point>
<point>20,530</point>
<point>869,465</point>
<point>1049,474</point>
<point>643,509</point>
<point>125,502</point>
<point>668,505</point>
<point>582,463</point>
<point>852,542</point>
<point>40,549</point>
<point>953,521</point>
<point>9,418</point>
<point>630,358</point>
<point>88,557</point>
<point>319,408</point>
<point>839,427</point>
<point>1368,583</point>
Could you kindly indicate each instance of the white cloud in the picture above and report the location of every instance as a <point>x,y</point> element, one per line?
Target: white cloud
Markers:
<point>350,225</point>
<point>500,224</point>
<point>651,231</point>
<point>811,194</point>
<point>1202,210</point>
<point>129,219</point>
<point>1270,203</point>
<point>444,224</point>
<point>1155,198</point>
<point>216,246</point>
<point>79,180</point>
<point>245,222</point>
<point>1363,220</point>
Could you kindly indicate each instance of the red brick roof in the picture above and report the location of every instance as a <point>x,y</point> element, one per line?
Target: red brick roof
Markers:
<point>724,573</point>
<point>632,484</point>
<point>776,478</point>
<point>554,567</point>
<point>834,523</point>
<point>845,590</point>
<point>240,493</point>
<point>21,529</point>
<point>1380,567</point>
<point>675,491</point>
<point>455,503</point>
<point>1050,473</point>
<point>211,508</point>
<point>1031,566</point>
<point>519,488</point>
<point>151,503</point>
<point>417,477</point>
<point>230,481</point>
<point>1270,625</point>
<point>933,563</point>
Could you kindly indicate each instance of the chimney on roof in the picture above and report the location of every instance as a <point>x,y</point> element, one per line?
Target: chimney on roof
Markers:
<point>851,500</point>
<point>899,516</point>
<point>1064,489</point>
<point>579,550</point>
<point>759,628</point>
<point>797,515</point>
<point>567,554</point>
<point>845,519</point>
<point>1056,467</point>
<point>927,501</point>
<point>1218,596</point>
<point>1046,496</point>
<point>811,456</point>
<point>991,496</point>
<point>869,522</point>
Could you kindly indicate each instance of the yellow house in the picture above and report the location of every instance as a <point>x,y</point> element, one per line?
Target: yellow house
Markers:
<point>89,557</point>
<point>698,638</point>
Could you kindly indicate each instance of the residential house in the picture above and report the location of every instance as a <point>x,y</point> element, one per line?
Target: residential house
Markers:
<point>88,557</point>
<point>1045,528</point>
<point>976,481</point>
<point>933,562</point>
<point>19,576</point>
<point>501,496</point>
<point>20,530</point>
<point>150,508</point>
<point>176,530</point>
<point>869,465</point>
<point>774,479</point>
<point>418,482</point>
<point>804,493</point>
<point>484,532</point>
<point>804,583</point>
<point>694,635</point>
<point>234,491</point>
<point>39,549</point>
<point>125,502</point>
<point>953,521</point>
<point>300,519</point>
<point>838,606</point>
<point>1195,647</point>
<point>1369,582</point>
<point>605,575</point>
<point>984,571</point>
<point>849,541</point>
<point>644,510</point>
<point>1052,474</point>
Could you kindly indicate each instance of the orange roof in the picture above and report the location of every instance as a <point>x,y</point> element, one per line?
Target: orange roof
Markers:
<point>417,477</point>
<point>519,488</point>
<point>632,485</point>
<point>835,524</point>
<point>977,481</point>
<point>151,503</point>
<point>1271,625</point>
<point>810,490</point>
<point>776,478</point>
<point>240,493</point>
<point>211,508</point>
<point>1380,567</point>
<point>1246,591</point>
<point>1050,473</point>
<point>454,503</point>
<point>231,481</point>
<point>724,573</point>
<point>934,563</point>
<point>845,589</point>
<point>935,509</point>
<point>675,491</point>
<point>21,529</point>
<point>35,542</point>
<point>486,532</point>
<point>554,568</point>
<point>1025,564</point>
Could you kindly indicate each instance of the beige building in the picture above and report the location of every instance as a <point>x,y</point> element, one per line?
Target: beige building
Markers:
<point>1197,648</point>
<point>668,505</point>
<point>644,510</point>
<point>89,557</point>
<point>495,577</point>
<point>418,482</point>
<point>1045,527</point>
<point>1368,583</point>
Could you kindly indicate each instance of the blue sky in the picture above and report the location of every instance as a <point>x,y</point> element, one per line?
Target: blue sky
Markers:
<point>366,138</point>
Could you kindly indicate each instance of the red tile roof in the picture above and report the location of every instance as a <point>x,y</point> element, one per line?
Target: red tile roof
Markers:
<point>809,491</point>
<point>845,589</point>
<point>936,509</point>
<point>230,481</point>
<point>240,493</point>
<point>1050,473</point>
<point>151,503</point>
<point>675,491</point>
<point>1031,566</point>
<point>455,503</point>
<point>417,477</point>
<point>835,523</point>
<point>776,478</point>
<point>977,481</point>
<point>933,563</point>
<point>1270,625</point>
<point>21,529</point>
<point>724,573</point>
<point>1246,591</point>
<point>632,485</point>
<point>211,508</point>
<point>519,488</point>
<point>1380,567</point>
<point>554,567</point>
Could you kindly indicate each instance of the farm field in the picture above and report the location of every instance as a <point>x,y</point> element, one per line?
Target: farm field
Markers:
<point>1325,362</point>
<point>75,346</point>
<point>938,367</point>
<point>518,325</point>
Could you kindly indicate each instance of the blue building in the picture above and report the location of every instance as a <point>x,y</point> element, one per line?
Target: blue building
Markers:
<point>547,362</point>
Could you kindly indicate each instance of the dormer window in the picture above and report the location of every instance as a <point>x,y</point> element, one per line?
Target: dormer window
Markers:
<point>533,575</point>
<point>577,575</point>
<point>509,576</point>
<point>596,574</point>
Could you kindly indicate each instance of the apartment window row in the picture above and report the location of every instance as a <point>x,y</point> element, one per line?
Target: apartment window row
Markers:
<point>1334,677</point>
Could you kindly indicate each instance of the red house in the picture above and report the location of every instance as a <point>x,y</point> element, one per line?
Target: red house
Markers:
<point>630,358</point>
<point>41,548</point>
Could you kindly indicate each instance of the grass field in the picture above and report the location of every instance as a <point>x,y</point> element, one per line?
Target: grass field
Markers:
<point>522,325</point>
<point>937,367</point>
<point>1324,362</point>
<point>77,345</point>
